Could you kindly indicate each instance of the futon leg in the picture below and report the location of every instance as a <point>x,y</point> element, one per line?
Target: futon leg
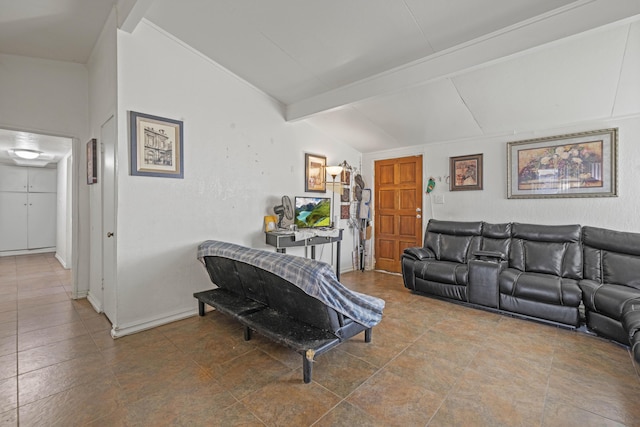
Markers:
<point>200,308</point>
<point>307,366</point>
<point>247,333</point>
<point>367,335</point>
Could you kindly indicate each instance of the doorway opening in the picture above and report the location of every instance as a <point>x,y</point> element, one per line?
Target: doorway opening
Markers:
<point>36,197</point>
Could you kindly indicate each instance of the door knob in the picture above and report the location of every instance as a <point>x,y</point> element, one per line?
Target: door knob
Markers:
<point>418,210</point>
<point>109,234</point>
<point>418,216</point>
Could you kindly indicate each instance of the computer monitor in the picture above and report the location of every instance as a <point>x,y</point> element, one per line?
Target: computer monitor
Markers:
<point>312,212</point>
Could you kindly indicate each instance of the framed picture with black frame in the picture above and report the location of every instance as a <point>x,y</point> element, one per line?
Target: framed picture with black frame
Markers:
<point>157,146</point>
<point>92,161</point>
<point>465,172</point>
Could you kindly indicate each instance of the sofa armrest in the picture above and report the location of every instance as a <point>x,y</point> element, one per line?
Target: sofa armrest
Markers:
<point>494,256</point>
<point>419,253</point>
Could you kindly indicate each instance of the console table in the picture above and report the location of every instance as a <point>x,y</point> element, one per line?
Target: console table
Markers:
<point>283,240</point>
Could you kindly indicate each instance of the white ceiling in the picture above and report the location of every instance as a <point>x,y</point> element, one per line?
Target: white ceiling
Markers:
<point>54,148</point>
<point>382,74</point>
<point>64,30</point>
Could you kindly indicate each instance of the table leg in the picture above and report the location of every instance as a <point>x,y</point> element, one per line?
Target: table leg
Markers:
<point>313,252</point>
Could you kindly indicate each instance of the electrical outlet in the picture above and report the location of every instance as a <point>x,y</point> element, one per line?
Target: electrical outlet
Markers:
<point>439,199</point>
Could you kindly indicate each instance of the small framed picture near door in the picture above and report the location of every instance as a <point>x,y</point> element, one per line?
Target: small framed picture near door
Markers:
<point>92,162</point>
<point>314,173</point>
<point>465,172</point>
<point>156,146</point>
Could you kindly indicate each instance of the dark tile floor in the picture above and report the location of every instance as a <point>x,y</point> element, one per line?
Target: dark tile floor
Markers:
<point>430,363</point>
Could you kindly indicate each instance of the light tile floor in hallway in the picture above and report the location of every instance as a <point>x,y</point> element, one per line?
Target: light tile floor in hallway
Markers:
<point>430,363</point>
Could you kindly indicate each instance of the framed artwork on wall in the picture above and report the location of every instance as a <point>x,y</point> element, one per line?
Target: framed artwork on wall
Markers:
<point>344,211</point>
<point>346,195</point>
<point>465,173</point>
<point>345,177</point>
<point>92,161</point>
<point>575,165</point>
<point>314,172</point>
<point>156,146</point>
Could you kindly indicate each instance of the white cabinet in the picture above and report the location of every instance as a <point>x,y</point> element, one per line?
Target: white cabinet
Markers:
<point>42,180</point>
<point>28,206</point>
<point>41,220</point>
<point>13,221</point>
<point>14,178</point>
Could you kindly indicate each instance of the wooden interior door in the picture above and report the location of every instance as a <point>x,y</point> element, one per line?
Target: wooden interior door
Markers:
<point>398,209</point>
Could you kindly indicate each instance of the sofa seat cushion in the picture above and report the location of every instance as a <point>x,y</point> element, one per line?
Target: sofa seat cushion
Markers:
<point>607,299</point>
<point>442,272</point>
<point>544,288</point>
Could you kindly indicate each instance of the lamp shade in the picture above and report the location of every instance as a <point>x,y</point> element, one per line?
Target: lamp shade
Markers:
<point>334,170</point>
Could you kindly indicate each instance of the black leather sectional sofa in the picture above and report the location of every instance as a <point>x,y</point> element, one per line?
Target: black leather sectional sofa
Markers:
<point>567,275</point>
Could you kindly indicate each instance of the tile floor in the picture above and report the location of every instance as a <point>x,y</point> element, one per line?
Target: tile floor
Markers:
<point>430,363</point>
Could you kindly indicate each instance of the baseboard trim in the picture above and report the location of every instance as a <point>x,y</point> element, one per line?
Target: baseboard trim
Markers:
<point>80,295</point>
<point>97,305</point>
<point>119,331</point>
<point>27,252</point>
<point>62,262</point>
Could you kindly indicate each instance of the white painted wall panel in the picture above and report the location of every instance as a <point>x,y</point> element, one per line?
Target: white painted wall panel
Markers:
<point>492,205</point>
<point>240,157</point>
<point>50,97</point>
<point>102,101</point>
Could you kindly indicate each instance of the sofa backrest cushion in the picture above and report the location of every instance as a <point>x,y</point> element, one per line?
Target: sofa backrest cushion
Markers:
<point>453,240</point>
<point>611,256</point>
<point>496,238</point>
<point>256,284</point>
<point>547,249</point>
<point>235,277</point>
<point>295,303</point>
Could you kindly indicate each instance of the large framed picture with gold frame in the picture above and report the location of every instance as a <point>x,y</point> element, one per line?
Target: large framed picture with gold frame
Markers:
<point>574,165</point>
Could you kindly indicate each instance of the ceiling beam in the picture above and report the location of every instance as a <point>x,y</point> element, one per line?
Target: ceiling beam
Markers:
<point>574,19</point>
<point>131,12</point>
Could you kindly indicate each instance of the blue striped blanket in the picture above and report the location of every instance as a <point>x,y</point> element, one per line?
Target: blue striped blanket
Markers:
<point>315,278</point>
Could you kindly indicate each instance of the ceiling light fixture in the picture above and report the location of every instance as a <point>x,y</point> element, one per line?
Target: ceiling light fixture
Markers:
<point>26,153</point>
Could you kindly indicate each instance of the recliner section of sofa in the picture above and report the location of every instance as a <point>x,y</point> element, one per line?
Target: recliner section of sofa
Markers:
<point>545,265</point>
<point>442,268</point>
<point>611,284</point>
<point>567,275</point>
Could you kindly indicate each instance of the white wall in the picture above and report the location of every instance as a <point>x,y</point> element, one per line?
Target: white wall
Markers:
<point>240,157</point>
<point>43,96</point>
<point>63,217</point>
<point>102,104</point>
<point>492,204</point>
<point>50,97</point>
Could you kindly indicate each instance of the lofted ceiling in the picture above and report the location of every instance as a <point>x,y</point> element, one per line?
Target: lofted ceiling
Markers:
<point>383,74</point>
